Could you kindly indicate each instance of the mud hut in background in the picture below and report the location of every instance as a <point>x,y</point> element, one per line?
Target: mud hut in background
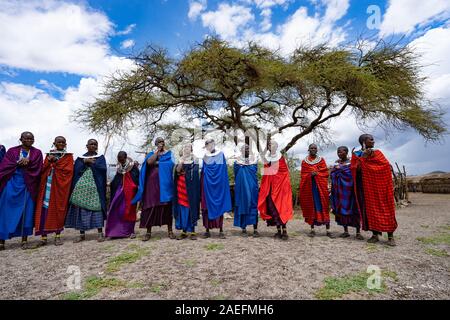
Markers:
<point>436,183</point>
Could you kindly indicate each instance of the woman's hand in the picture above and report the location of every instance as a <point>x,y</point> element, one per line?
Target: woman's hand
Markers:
<point>23,162</point>
<point>89,161</point>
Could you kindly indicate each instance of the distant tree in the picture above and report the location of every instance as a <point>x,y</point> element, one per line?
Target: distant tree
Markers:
<point>254,87</point>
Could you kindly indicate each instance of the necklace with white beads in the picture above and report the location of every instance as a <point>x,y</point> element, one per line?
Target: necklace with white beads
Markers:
<point>313,162</point>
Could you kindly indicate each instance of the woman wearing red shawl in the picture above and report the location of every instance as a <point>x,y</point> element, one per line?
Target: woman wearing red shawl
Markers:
<point>122,213</point>
<point>275,195</point>
<point>54,192</point>
<point>374,189</point>
<point>314,194</point>
<point>20,171</point>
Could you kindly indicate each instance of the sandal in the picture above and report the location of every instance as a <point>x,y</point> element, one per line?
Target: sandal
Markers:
<point>255,234</point>
<point>58,241</point>
<point>171,235</point>
<point>147,236</point>
<point>373,239</point>
<point>330,235</point>
<point>277,235</point>
<point>193,236</point>
<point>79,239</point>
<point>284,236</point>
<point>312,234</point>
<point>206,235</point>
<point>2,247</point>
<point>359,236</point>
<point>182,236</point>
<point>133,236</point>
<point>244,233</point>
<point>222,235</point>
<point>101,237</point>
<point>391,242</point>
<point>344,235</point>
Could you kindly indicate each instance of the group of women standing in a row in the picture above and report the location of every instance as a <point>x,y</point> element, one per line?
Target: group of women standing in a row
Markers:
<point>59,192</point>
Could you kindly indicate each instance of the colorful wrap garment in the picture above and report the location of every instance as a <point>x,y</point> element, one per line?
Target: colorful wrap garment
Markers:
<point>343,197</point>
<point>54,192</point>
<point>121,218</point>
<point>2,152</point>
<point>314,194</point>
<point>275,193</point>
<point>186,203</point>
<point>156,191</point>
<point>87,203</point>
<point>375,191</point>
<point>18,192</point>
<point>215,190</point>
<point>245,195</point>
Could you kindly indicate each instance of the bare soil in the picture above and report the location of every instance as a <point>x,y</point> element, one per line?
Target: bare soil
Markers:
<point>238,267</point>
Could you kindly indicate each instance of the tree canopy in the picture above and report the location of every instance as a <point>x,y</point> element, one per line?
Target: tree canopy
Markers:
<point>253,87</point>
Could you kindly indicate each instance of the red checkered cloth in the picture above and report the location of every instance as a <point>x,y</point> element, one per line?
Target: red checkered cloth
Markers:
<point>378,192</point>
<point>306,193</point>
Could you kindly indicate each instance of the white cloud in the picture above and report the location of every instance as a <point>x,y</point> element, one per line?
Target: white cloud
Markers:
<point>195,8</point>
<point>127,44</point>
<point>234,23</point>
<point>403,16</point>
<point>56,36</point>
<point>227,19</point>
<point>127,30</point>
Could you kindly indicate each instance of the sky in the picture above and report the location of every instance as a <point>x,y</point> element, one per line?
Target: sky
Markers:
<point>56,55</point>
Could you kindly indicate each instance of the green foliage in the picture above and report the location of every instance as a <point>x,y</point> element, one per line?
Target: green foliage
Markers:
<point>443,238</point>
<point>93,286</point>
<point>114,264</point>
<point>337,287</point>
<point>214,246</point>
<point>437,252</point>
<point>253,87</point>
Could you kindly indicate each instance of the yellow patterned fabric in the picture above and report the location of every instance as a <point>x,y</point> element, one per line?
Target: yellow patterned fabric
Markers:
<point>85,194</point>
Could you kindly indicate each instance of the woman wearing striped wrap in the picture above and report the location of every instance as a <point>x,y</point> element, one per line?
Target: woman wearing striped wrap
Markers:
<point>54,192</point>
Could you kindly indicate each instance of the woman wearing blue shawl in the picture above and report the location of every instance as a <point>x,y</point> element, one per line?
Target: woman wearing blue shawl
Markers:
<point>216,197</point>
<point>343,197</point>
<point>246,191</point>
<point>156,190</point>
<point>87,203</point>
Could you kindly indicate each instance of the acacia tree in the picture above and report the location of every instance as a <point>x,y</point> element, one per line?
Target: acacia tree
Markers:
<point>254,87</point>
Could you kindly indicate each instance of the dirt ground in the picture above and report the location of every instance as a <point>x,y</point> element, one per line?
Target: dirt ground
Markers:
<point>238,267</point>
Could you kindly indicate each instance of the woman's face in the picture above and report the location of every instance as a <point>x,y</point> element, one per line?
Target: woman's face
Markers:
<point>312,150</point>
<point>187,150</point>
<point>160,144</point>
<point>211,146</point>
<point>273,147</point>
<point>60,143</point>
<point>121,158</point>
<point>370,142</point>
<point>342,153</point>
<point>27,139</point>
<point>92,145</point>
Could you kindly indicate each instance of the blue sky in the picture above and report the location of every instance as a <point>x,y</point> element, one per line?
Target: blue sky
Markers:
<point>55,55</point>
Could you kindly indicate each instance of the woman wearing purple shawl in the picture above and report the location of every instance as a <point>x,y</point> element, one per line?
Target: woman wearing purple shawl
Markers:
<point>19,183</point>
<point>343,199</point>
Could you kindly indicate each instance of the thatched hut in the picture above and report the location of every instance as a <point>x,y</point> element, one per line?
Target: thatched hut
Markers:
<point>436,183</point>
<point>414,183</point>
